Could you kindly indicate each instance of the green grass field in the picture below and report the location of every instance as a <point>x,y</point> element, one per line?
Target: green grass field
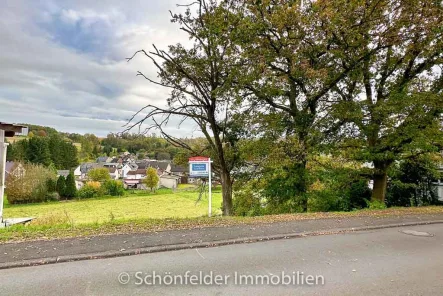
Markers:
<point>137,205</point>
<point>148,212</point>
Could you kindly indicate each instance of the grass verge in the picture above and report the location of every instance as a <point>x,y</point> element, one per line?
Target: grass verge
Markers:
<point>65,227</point>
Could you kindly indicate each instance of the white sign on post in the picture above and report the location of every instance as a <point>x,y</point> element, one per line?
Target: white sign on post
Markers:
<point>200,167</point>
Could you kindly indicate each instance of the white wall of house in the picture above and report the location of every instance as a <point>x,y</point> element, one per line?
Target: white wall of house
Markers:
<point>136,177</point>
<point>115,175</point>
<point>77,172</point>
<point>168,182</point>
<point>125,170</point>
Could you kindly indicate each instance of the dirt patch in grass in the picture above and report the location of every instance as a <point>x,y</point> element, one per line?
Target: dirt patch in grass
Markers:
<point>61,227</point>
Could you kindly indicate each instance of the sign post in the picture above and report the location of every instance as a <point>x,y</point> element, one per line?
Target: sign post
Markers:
<point>210,189</point>
<point>3,147</point>
<point>200,167</point>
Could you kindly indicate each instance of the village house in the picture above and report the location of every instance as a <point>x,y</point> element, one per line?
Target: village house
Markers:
<point>117,160</point>
<point>134,184</point>
<point>142,164</point>
<point>169,181</point>
<point>82,170</point>
<point>111,165</point>
<point>103,159</point>
<point>114,173</point>
<point>177,170</point>
<point>138,174</point>
<point>125,170</point>
<point>162,165</point>
<point>134,179</point>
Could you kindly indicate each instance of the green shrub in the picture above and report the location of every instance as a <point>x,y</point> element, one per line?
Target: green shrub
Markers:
<point>71,189</point>
<point>114,188</point>
<point>375,205</point>
<point>340,197</point>
<point>292,205</point>
<point>61,186</point>
<point>246,204</point>
<point>30,185</point>
<point>359,192</point>
<point>411,183</point>
<point>327,201</point>
<point>52,196</point>
<point>90,190</point>
<point>285,187</point>
<point>51,185</point>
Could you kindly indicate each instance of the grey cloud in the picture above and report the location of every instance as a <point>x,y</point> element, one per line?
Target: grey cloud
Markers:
<point>44,82</point>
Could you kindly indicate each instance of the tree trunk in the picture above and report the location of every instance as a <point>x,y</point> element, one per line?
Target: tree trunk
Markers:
<point>380,185</point>
<point>380,181</point>
<point>226,192</point>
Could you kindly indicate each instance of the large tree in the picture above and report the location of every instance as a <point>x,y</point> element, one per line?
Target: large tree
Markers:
<point>393,101</point>
<point>199,78</point>
<point>294,57</point>
<point>63,153</point>
<point>37,151</point>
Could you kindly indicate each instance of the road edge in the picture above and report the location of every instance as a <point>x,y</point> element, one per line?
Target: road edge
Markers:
<point>176,247</point>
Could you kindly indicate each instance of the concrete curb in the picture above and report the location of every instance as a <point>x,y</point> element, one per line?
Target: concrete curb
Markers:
<point>165,248</point>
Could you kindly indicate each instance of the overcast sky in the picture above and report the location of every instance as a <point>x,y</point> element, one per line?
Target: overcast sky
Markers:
<point>62,62</point>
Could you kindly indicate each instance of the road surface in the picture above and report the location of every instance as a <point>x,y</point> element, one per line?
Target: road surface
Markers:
<point>380,262</point>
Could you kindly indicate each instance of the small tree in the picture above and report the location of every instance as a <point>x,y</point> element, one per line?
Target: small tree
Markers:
<point>71,189</point>
<point>99,175</point>
<point>51,185</point>
<point>151,179</point>
<point>61,186</point>
<point>114,188</point>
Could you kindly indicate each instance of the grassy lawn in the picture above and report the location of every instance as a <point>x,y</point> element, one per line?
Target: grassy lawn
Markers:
<point>146,212</point>
<point>137,205</point>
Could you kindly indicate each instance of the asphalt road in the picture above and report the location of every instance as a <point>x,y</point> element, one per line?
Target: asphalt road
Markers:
<point>131,242</point>
<point>380,262</point>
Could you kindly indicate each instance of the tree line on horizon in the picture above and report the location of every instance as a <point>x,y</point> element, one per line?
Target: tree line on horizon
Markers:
<point>51,150</point>
<point>89,147</point>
